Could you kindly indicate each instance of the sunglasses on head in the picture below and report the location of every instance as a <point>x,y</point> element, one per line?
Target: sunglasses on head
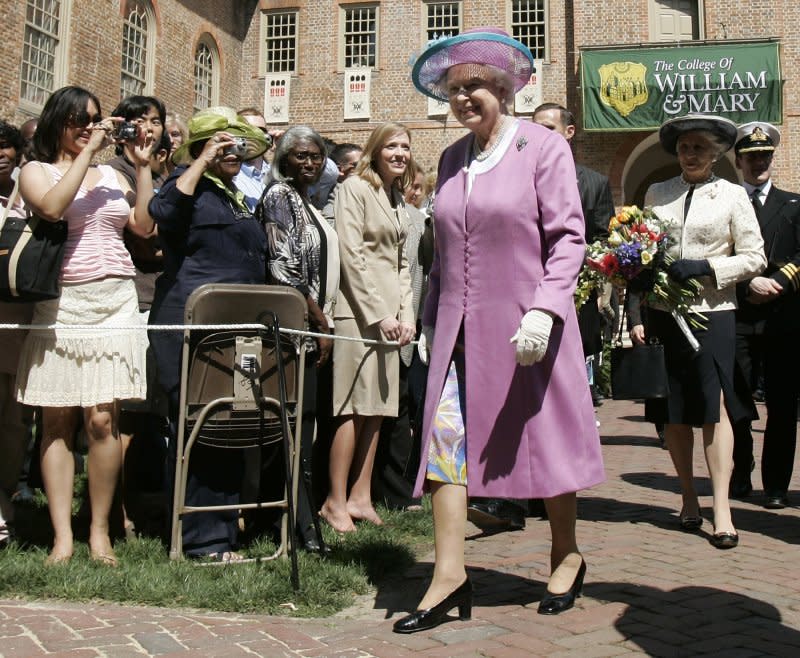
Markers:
<point>82,118</point>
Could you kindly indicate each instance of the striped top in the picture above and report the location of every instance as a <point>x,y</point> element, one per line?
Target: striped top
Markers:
<point>95,220</point>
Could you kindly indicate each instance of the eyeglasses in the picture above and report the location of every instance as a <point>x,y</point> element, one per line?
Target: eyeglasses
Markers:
<point>82,118</point>
<point>305,156</point>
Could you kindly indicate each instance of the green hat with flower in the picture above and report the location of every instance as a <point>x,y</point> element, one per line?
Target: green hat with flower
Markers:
<point>207,123</point>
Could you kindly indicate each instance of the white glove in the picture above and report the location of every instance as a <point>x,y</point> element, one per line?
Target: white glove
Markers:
<point>424,344</point>
<point>532,337</point>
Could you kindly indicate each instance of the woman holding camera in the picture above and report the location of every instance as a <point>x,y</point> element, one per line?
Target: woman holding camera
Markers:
<point>84,372</point>
<point>208,235</point>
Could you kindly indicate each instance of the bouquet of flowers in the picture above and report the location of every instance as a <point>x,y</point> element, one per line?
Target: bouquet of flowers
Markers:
<point>635,256</point>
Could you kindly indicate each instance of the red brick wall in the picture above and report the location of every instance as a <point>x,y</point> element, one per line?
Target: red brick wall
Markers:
<point>317,90</point>
<point>94,53</point>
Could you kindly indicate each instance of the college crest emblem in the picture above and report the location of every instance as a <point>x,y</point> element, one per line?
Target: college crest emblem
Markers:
<point>623,86</point>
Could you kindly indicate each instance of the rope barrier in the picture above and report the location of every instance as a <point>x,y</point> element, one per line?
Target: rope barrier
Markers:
<point>194,327</point>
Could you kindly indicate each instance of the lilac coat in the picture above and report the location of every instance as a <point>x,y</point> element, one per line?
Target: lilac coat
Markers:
<point>517,244</point>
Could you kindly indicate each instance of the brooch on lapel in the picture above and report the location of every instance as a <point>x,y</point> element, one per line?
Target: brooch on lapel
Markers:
<point>521,143</point>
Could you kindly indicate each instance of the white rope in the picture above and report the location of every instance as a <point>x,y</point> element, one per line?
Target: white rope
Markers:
<point>193,327</point>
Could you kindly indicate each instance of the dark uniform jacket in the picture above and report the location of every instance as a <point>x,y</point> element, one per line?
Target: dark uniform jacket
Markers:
<point>780,227</point>
<point>598,208</point>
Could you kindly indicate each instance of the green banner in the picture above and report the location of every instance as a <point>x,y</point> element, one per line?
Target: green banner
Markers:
<point>639,88</point>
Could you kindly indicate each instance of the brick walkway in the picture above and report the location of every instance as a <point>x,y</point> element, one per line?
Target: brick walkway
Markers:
<point>650,588</point>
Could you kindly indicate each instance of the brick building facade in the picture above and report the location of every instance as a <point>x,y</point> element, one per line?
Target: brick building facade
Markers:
<point>217,51</point>
<point>86,40</point>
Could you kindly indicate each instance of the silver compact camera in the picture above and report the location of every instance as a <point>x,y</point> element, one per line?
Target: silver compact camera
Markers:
<point>127,131</point>
<point>238,148</point>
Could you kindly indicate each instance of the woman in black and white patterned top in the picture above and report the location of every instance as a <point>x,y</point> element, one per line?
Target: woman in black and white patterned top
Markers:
<point>302,252</point>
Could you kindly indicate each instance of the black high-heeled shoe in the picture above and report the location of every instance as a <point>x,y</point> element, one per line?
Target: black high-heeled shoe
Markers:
<point>553,604</point>
<point>422,620</point>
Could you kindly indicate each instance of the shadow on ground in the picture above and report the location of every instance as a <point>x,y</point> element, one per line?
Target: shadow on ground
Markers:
<point>690,621</point>
<point>685,621</point>
<point>774,524</point>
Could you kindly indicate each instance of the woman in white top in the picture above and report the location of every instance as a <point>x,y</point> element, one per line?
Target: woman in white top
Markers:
<point>715,237</point>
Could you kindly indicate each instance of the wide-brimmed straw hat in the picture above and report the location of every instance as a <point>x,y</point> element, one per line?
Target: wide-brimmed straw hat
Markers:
<point>483,45</point>
<point>207,123</point>
<point>757,136</point>
<point>723,128</point>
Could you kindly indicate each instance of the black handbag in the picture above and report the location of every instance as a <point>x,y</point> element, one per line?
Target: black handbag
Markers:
<point>31,254</point>
<point>638,372</point>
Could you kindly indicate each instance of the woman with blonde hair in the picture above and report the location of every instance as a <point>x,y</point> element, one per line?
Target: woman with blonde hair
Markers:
<point>374,302</point>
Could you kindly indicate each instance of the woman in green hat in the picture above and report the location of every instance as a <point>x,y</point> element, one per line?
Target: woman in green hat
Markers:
<point>208,236</point>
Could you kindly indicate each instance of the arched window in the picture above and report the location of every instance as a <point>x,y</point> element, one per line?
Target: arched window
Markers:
<point>138,46</point>
<point>42,70</point>
<point>206,74</point>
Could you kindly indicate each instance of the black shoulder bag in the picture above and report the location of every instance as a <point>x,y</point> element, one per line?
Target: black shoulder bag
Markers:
<point>31,253</point>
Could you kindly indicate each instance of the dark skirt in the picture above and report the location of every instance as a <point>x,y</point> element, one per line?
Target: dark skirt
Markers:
<point>697,378</point>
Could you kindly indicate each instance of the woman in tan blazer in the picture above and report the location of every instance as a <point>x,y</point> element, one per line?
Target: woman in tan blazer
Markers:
<point>374,302</point>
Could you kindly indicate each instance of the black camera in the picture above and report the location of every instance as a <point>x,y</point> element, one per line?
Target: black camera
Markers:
<point>238,148</point>
<point>127,131</point>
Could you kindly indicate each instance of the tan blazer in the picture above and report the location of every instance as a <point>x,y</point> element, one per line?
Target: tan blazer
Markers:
<point>375,282</point>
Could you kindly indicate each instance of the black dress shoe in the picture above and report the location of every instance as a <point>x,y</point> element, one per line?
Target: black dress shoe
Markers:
<point>496,514</point>
<point>554,604</point>
<point>776,500</point>
<point>740,487</point>
<point>724,540</point>
<point>422,620</point>
<point>314,545</point>
<point>690,523</point>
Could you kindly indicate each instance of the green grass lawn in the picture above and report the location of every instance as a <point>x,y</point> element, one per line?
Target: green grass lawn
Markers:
<point>146,575</point>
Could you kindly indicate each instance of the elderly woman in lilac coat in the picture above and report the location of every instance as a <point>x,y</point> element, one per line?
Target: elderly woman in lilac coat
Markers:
<point>508,411</point>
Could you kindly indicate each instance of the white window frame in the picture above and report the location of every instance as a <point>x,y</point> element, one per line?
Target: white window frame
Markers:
<point>210,69</point>
<point>346,9</point>
<point>35,82</point>
<point>544,52</point>
<point>129,78</point>
<point>430,13</point>
<point>265,49</point>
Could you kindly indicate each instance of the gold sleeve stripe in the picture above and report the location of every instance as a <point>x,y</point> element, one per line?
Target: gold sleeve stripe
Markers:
<point>792,272</point>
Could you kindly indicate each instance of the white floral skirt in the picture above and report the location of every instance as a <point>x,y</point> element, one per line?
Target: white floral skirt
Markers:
<point>83,368</point>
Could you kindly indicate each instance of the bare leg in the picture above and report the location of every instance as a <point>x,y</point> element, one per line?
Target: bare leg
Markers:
<point>125,442</point>
<point>58,473</point>
<point>334,509</point>
<point>718,444</point>
<point>680,442</point>
<point>449,526</point>
<point>105,459</point>
<point>565,560</point>
<point>359,502</point>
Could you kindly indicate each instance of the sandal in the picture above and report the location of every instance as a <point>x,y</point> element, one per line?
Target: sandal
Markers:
<point>226,556</point>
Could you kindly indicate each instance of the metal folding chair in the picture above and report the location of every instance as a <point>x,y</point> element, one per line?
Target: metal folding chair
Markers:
<point>242,388</point>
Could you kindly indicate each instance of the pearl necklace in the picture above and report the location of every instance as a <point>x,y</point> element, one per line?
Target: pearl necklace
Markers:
<point>482,154</point>
<point>702,182</point>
